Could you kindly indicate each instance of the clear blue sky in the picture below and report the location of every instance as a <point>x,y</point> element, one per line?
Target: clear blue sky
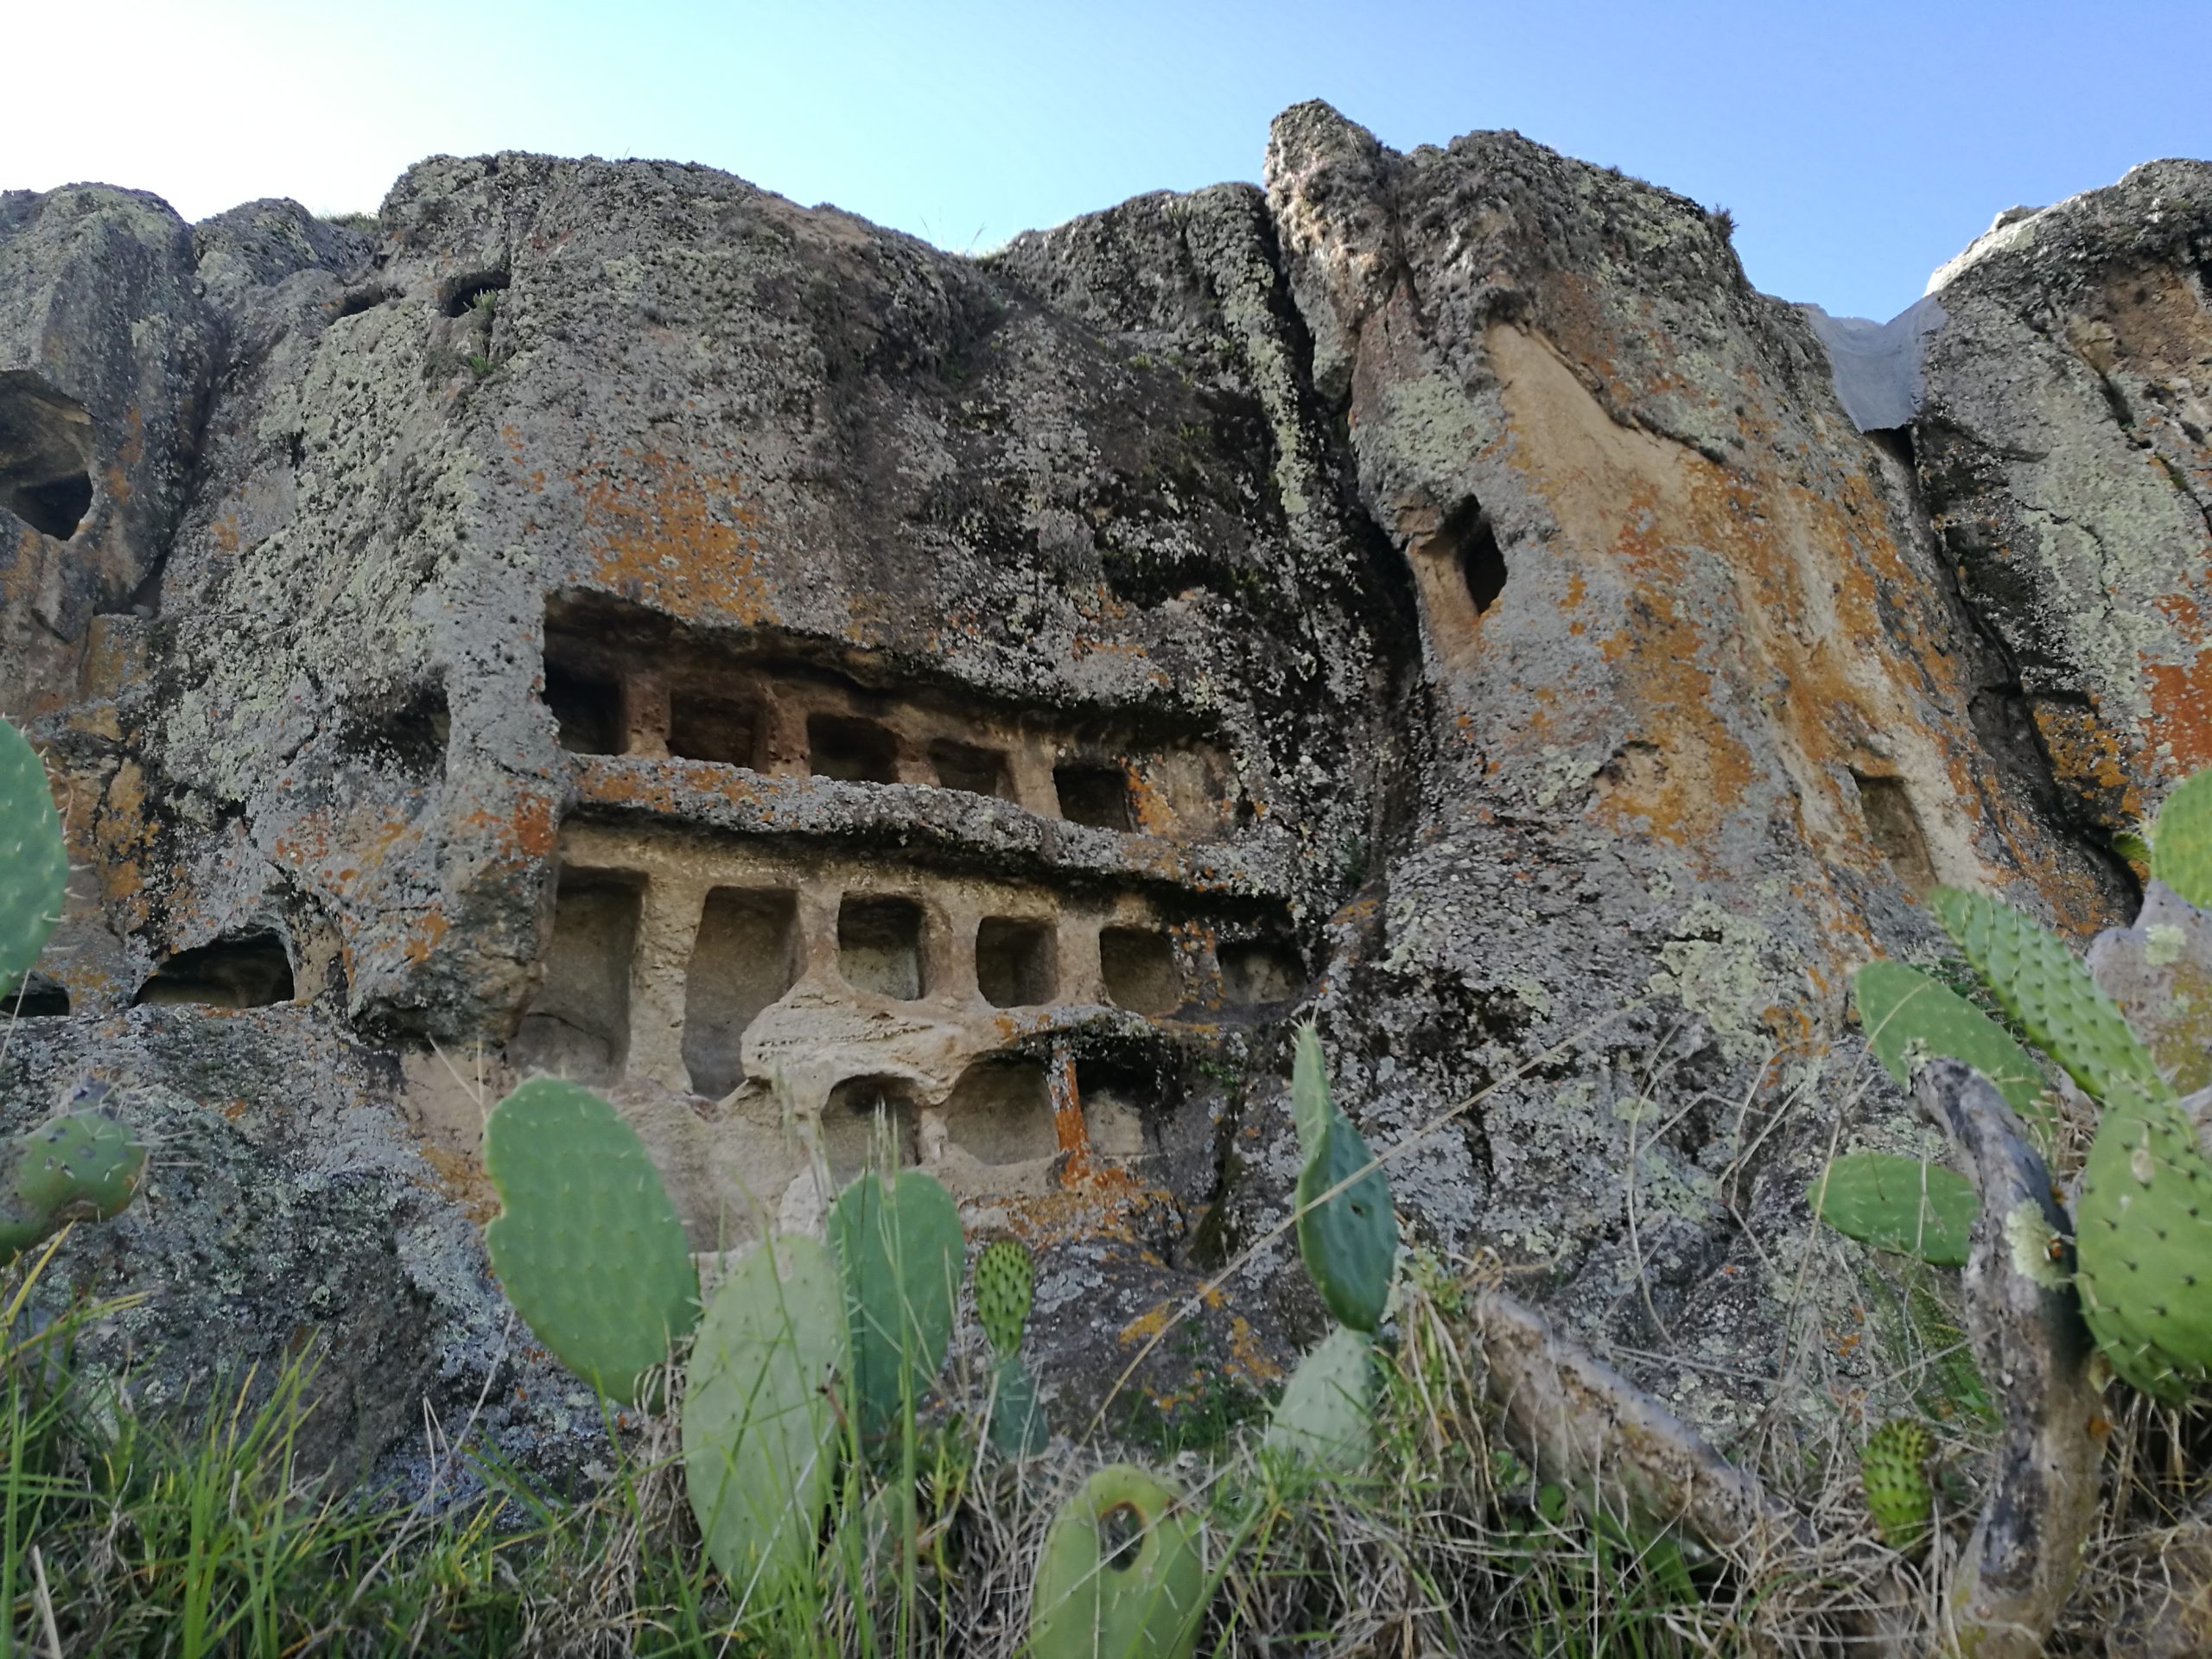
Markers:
<point>1858,147</point>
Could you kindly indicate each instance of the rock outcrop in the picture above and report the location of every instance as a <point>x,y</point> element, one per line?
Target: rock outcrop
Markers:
<point>612,621</point>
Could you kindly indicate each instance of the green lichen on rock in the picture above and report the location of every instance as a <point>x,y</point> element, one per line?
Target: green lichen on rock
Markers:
<point>586,1243</point>
<point>34,867</point>
<point>1909,1017</point>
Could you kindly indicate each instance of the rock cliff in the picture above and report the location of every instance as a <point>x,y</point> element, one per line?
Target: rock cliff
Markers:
<point>611,621</point>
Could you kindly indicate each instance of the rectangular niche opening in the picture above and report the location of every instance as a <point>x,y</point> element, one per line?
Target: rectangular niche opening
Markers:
<point>703,727</point>
<point>1139,967</point>
<point>852,750</point>
<point>1260,973</point>
<point>578,1024</point>
<point>850,1139</point>
<point>744,957</point>
<point>587,710</point>
<point>241,971</point>
<point>965,765</point>
<point>879,946</point>
<point>1116,1098</point>
<point>36,998</point>
<point>1016,965</point>
<point>1893,826</point>
<point>1093,794</point>
<point>1000,1112</point>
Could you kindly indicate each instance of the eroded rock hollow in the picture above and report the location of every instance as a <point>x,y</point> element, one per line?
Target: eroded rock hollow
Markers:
<point>604,618</point>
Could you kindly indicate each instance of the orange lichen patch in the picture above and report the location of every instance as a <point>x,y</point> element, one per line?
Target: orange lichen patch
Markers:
<point>2086,758</point>
<point>2181,693</point>
<point>1769,698</point>
<point>1153,812</point>
<point>424,933</point>
<point>1246,1357</point>
<point>461,1179</point>
<point>528,829</point>
<point>665,534</point>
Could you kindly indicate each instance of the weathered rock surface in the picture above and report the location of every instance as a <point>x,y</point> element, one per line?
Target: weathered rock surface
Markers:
<point>615,621</point>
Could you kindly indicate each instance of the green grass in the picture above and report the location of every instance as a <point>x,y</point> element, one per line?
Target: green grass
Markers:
<point>201,1532</point>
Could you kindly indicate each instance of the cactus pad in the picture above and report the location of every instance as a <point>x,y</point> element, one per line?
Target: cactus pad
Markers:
<point>586,1243</point>
<point>1326,1414</point>
<point>1017,1427</point>
<point>760,1438</point>
<point>33,865</point>
<point>2042,985</point>
<point>1894,1470</point>
<point>2144,1245</point>
<point>1898,1203</point>
<point>2181,848</point>
<point>1121,1576</point>
<point>1900,1007</point>
<point>898,1252</point>
<point>1350,1240</point>
<point>1006,1281</point>
<point>78,1165</point>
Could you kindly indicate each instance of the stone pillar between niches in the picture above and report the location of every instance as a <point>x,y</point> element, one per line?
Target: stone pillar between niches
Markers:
<point>645,714</point>
<point>1029,773</point>
<point>783,732</point>
<point>1082,978</point>
<point>911,762</point>
<point>668,925</point>
<point>817,925</point>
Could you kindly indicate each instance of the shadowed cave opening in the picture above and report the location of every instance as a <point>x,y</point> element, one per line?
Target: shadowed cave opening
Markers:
<point>1093,794</point>
<point>744,957</point>
<point>36,998</point>
<point>46,477</point>
<point>1893,825</point>
<point>240,970</point>
<point>1000,1112</point>
<point>465,293</point>
<point>851,750</point>
<point>849,1118</point>
<point>964,766</point>
<point>588,711</point>
<point>880,947</point>
<point>1140,970</point>
<point>1260,973</point>
<point>1014,963</point>
<point>578,1025</point>
<point>1482,562</point>
<point>704,727</point>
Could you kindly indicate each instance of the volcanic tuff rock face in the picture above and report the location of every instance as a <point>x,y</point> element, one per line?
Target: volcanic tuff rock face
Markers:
<point>613,621</point>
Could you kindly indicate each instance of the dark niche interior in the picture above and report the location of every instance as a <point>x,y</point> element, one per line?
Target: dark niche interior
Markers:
<point>240,970</point>
<point>46,475</point>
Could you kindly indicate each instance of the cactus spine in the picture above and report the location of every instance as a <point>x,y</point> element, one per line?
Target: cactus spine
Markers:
<point>900,1250</point>
<point>1898,1203</point>
<point>760,1438</point>
<point>77,1166</point>
<point>1893,1469</point>
<point>33,865</point>
<point>587,1242</point>
<point>1121,1576</point>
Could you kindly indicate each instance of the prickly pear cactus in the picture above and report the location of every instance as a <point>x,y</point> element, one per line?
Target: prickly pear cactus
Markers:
<point>1349,1240</point>
<point>2142,1243</point>
<point>1894,1470</point>
<point>759,1437</point>
<point>586,1243</point>
<point>1326,1414</point>
<point>2181,850</point>
<point>1898,1203</point>
<point>898,1252</point>
<point>77,1166</point>
<point>33,865</point>
<point>2043,986</point>
<point>1121,1576</point>
<point>1006,1282</point>
<point>1904,1012</point>
<point>1017,1428</point>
